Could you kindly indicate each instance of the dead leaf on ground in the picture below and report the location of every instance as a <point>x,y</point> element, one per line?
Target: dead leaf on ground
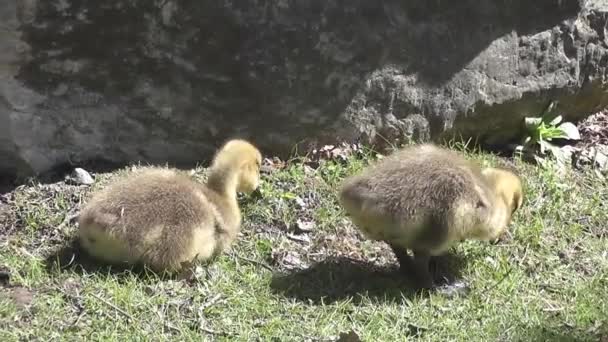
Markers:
<point>272,164</point>
<point>304,226</point>
<point>594,129</point>
<point>299,238</point>
<point>72,287</point>
<point>332,152</point>
<point>300,202</point>
<point>290,260</point>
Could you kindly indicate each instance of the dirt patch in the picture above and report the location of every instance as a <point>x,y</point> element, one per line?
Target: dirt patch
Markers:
<point>21,297</point>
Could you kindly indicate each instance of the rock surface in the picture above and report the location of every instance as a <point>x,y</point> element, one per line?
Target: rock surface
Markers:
<point>167,81</point>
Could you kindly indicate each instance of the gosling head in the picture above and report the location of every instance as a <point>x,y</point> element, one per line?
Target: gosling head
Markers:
<point>242,158</point>
<point>509,192</point>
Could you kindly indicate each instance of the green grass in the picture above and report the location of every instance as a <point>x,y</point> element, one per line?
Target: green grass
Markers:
<point>546,281</point>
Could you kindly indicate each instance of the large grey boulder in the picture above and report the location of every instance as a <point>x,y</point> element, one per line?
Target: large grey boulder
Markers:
<point>168,81</point>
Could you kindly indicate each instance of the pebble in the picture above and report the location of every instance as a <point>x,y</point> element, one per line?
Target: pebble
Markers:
<point>81,176</point>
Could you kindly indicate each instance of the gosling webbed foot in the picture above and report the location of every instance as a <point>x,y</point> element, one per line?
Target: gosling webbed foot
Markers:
<point>421,261</point>
<point>416,267</point>
<point>405,261</point>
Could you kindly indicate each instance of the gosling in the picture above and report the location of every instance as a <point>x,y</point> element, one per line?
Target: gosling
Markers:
<point>166,220</point>
<point>425,199</point>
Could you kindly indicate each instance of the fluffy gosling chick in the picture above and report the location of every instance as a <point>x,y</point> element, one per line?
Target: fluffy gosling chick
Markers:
<point>164,219</point>
<point>425,198</point>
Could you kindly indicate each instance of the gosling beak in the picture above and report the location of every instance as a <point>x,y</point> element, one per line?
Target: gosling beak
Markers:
<point>502,237</point>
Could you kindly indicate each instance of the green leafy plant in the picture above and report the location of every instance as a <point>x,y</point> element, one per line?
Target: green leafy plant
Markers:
<point>541,133</point>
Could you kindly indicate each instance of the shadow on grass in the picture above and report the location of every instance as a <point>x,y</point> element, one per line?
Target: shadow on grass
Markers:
<point>562,334</point>
<point>341,278</point>
<point>70,257</point>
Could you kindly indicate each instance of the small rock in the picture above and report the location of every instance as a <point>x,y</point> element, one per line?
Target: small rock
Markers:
<point>601,160</point>
<point>81,176</point>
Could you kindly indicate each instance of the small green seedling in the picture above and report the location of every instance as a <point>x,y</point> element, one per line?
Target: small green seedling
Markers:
<point>541,133</point>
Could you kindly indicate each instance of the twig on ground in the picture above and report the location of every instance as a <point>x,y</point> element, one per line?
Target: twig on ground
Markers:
<point>251,261</point>
<point>165,324</point>
<point>69,217</point>
<point>213,332</point>
<point>500,281</point>
<point>113,306</point>
<point>75,300</point>
<point>26,253</point>
<point>82,312</point>
<point>211,301</point>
